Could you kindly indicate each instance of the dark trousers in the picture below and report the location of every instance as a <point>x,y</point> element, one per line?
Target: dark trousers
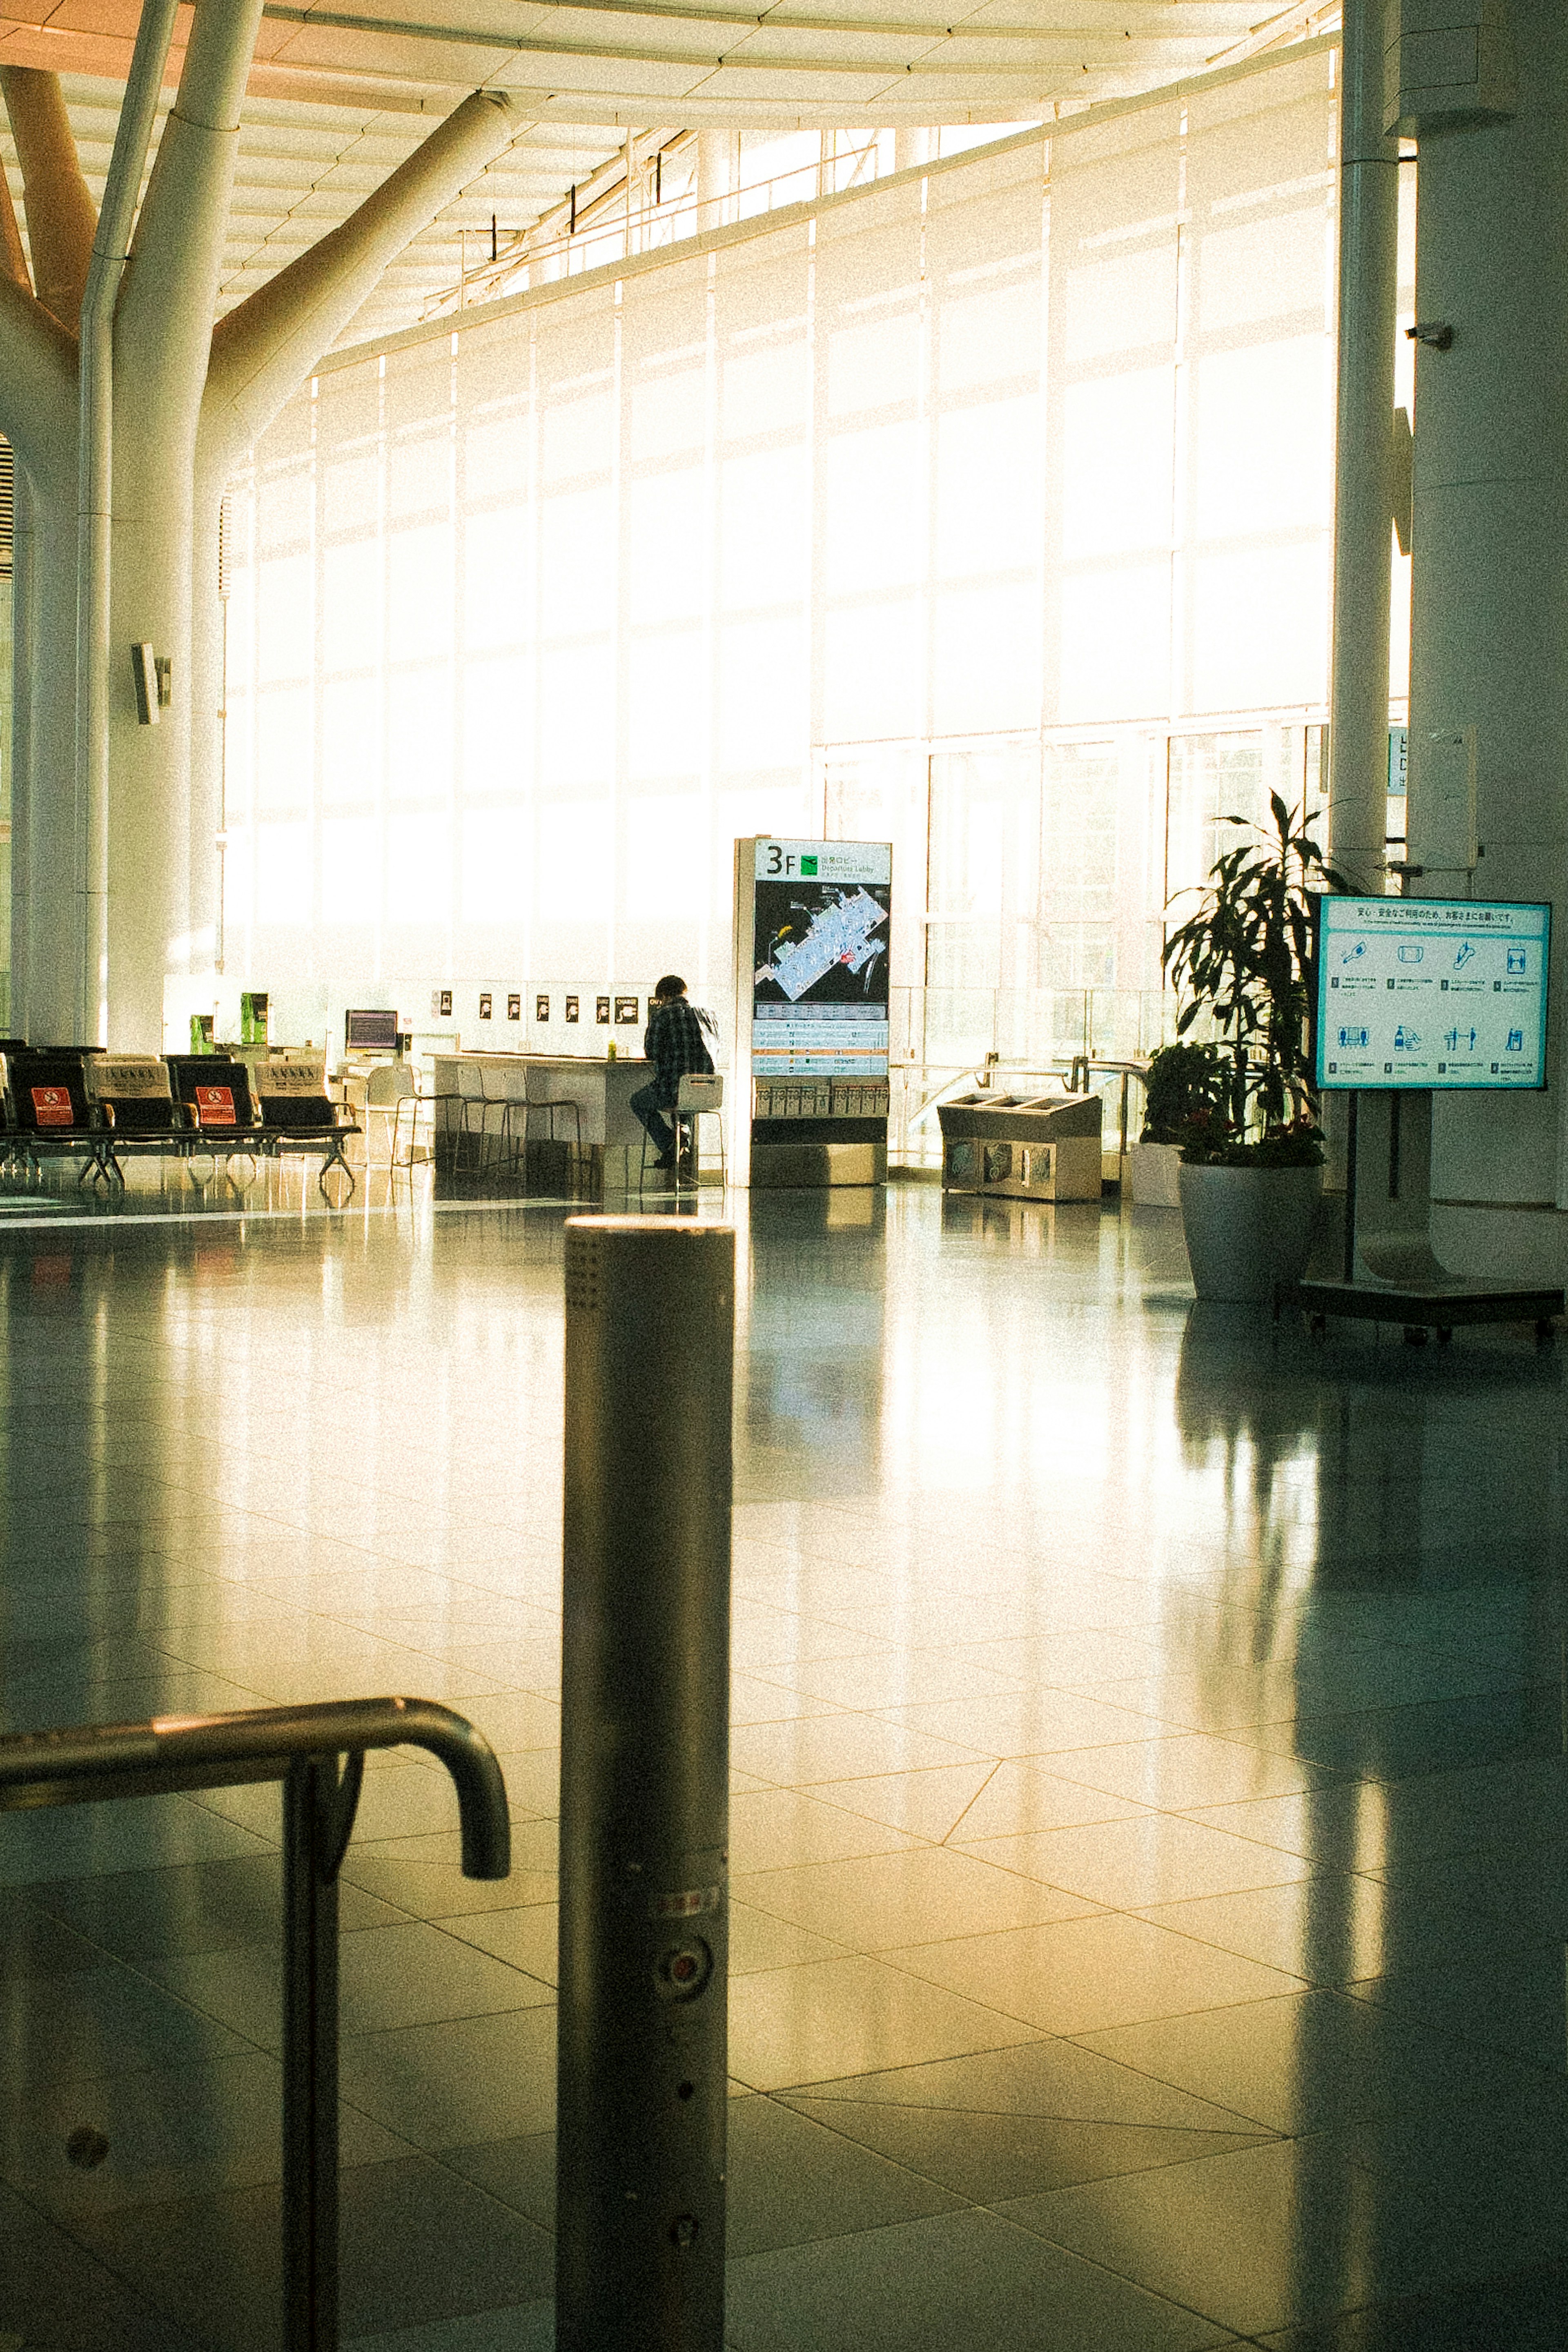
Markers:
<point>649,1102</point>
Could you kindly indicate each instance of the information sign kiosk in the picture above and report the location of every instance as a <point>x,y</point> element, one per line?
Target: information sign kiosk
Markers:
<point>1431,993</point>
<point>1416,997</point>
<point>813,950</point>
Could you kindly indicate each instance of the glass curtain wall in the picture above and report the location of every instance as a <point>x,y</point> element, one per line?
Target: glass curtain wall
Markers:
<point>987,513</point>
<point>1045,866</point>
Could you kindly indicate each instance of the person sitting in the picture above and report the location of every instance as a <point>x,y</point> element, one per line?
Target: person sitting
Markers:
<point>674,1043</point>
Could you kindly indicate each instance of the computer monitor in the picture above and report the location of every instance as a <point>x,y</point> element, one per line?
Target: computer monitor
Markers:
<point>370,1032</point>
<point>1430,993</point>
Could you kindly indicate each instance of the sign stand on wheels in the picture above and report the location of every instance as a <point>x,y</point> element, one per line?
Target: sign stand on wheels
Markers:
<point>1417,997</point>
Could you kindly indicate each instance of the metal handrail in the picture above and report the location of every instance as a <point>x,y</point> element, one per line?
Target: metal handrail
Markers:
<point>300,1747</point>
<point>1084,1065</point>
<point>1079,1070</point>
<point>978,1074</point>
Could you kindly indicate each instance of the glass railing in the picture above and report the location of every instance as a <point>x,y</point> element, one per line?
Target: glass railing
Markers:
<point>945,1041</point>
<point>612,230</point>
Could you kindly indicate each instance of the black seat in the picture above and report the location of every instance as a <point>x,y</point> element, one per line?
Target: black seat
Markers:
<point>215,1091</point>
<point>46,1094</point>
<point>48,1111</point>
<point>136,1107</point>
<point>133,1093</point>
<point>296,1113</point>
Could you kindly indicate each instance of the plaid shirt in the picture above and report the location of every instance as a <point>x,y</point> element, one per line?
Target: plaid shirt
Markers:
<point>673,1042</point>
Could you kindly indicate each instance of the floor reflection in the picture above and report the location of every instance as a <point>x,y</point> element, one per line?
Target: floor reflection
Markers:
<point>1151,1855</point>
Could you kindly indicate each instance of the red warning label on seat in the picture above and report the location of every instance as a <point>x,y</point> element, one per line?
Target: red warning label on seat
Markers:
<point>214,1105</point>
<point>52,1107</point>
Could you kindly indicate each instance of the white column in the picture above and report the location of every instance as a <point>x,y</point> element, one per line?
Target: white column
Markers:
<point>162,336</point>
<point>207,731</point>
<point>1363,491</point>
<point>911,148</point>
<point>23,643</point>
<point>45,847</point>
<point>1489,624</point>
<point>715,151</point>
<point>60,215</point>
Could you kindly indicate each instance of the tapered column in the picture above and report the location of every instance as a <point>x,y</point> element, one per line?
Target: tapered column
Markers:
<point>22,654</point>
<point>1364,489</point>
<point>45,844</point>
<point>61,216</point>
<point>162,337</point>
<point>13,254</point>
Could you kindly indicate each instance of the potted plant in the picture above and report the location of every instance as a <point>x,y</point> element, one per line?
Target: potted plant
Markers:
<point>1251,1163</point>
<point>1182,1081</point>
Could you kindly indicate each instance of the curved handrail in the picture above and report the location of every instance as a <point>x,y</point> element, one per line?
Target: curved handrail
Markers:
<point>77,1765</point>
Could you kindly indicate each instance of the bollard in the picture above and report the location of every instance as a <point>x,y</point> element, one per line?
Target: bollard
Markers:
<point>645,1767</point>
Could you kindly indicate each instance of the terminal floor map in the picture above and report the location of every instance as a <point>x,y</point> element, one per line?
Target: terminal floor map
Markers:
<point>822,942</point>
<point>821,930</point>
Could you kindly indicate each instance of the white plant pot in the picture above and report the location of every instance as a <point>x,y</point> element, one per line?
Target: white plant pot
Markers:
<point>1152,1168</point>
<point>1247,1229</point>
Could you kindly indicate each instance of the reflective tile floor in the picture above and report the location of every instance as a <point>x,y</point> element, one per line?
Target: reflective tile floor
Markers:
<point>1151,1815</point>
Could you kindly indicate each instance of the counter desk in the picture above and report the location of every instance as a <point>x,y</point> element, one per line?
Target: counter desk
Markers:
<point>611,1136</point>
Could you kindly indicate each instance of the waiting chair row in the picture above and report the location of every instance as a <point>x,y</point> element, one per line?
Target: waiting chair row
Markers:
<point>100,1106</point>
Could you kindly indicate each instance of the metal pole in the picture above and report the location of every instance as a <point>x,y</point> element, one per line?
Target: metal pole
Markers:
<point>309,2058</point>
<point>639,2249</point>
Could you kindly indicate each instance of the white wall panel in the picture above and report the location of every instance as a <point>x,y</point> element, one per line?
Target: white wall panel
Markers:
<point>351,871</point>
<point>666,550</point>
<point>1258,445</point>
<point>348,740</point>
<point>419,753</point>
<point>526,622</point>
<point>764,543</point>
<point>667,715</point>
<point>286,620</point>
<point>1118,464</point>
<point>874,524</point>
<point>764,709</point>
<point>348,635</point>
<point>1112,418</point>
<point>496,728</point>
<point>283,739</point>
<point>498,585</point>
<point>284,876</point>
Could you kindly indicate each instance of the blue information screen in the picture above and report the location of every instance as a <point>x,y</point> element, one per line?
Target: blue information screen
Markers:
<point>1431,993</point>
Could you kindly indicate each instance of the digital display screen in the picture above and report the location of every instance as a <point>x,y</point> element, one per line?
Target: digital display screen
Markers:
<point>371,1033</point>
<point>1431,993</point>
<point>822,925</point>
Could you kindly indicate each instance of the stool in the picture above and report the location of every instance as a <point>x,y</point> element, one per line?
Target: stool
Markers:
<point>469,1097</point>
<point>551,1105</point>
<point>408,1155</point>
<point>511,1147</point>
<point>387,1088</point>
<point>700,1093</point>
<point>702,1096</point>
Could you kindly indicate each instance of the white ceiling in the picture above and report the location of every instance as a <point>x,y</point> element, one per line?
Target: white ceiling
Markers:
<point>338,97</point>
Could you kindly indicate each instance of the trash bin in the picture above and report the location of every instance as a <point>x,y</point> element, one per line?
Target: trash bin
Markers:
<point>1022,1147</point>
